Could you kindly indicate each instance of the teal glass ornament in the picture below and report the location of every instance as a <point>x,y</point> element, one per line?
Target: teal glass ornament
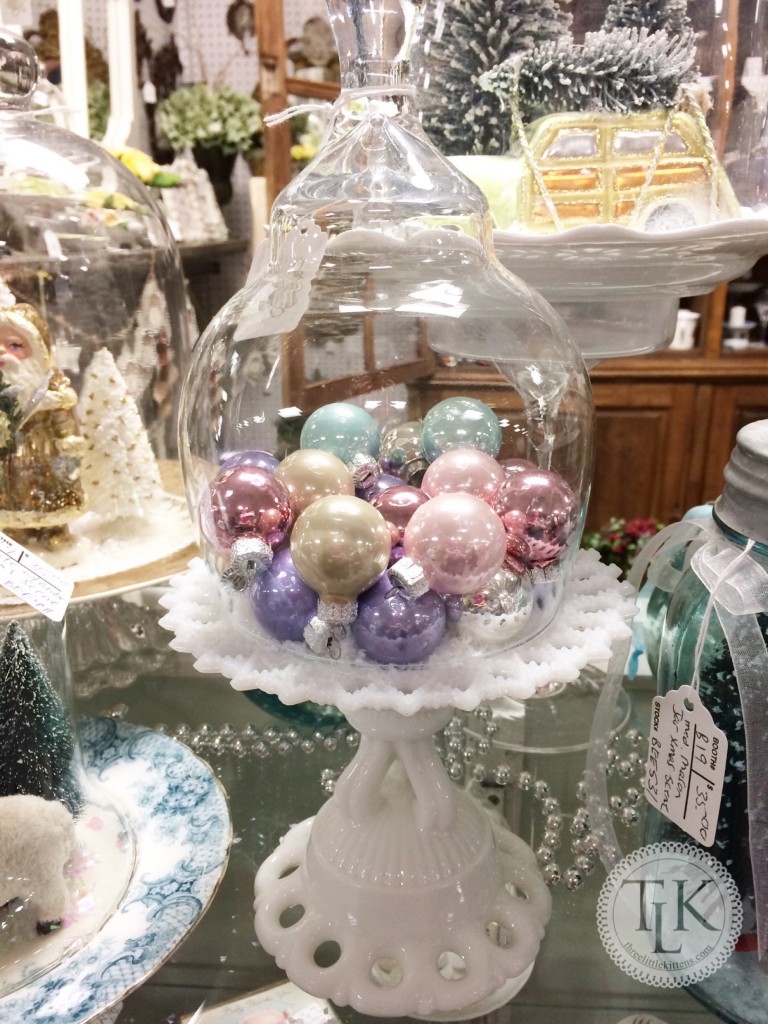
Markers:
<point>460,423</point>
<point>343,429</point>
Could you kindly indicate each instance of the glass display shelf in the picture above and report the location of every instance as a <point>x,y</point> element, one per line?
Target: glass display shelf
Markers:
<point>148,684</point>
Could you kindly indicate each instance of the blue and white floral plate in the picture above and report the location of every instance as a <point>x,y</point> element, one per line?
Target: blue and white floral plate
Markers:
<point>181,829</point>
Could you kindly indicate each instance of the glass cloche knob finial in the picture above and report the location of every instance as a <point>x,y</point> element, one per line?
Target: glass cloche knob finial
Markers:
<point>18,71</point>
<point>374,39</point>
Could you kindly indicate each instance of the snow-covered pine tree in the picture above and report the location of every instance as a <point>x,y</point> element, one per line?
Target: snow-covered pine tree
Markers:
<point>623,71</point>
<point>670,16</point>
<point>461,40</point>
<point>120,474</point>
<point>36,742</point>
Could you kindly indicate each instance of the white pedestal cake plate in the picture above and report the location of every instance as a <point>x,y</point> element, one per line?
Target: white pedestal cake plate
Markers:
<point>400,897</point>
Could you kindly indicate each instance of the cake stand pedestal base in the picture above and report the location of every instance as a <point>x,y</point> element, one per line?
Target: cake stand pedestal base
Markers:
<point>401,897</point>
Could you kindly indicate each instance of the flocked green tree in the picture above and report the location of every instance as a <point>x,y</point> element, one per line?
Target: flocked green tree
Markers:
<point>624,71</point>
<point>36,741</point>
<point>461,40</point>
<point>670,16</point>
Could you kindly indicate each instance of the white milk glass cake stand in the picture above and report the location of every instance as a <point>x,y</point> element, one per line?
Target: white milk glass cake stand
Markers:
<point>401,896</point>
<point>386,441</point>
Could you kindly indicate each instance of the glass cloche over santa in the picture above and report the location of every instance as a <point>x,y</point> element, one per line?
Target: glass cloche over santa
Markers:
<point>386,437</point>
<point>93,340</point>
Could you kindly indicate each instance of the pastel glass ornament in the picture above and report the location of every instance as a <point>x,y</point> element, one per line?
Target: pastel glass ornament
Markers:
<point>382,483</point>
<point>511,466</point>
<point>539,513</point>
<point>499,612</point>
<point>460,423</point>
<point>397,505</point>
<point>262,460</point>
<point>309,474</point>
<point>282,602</point>
<point>395,629</point>
<point>463,469</point>
<point>249,502</point>
<point>459,542</point>
<point>340,544</point>
<point>343,429</point>
<point>402,452</point>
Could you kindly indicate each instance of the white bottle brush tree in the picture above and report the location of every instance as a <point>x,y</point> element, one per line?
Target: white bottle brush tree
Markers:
<point>461,40</point>
<point>120,474</point>
<point>640,59</point>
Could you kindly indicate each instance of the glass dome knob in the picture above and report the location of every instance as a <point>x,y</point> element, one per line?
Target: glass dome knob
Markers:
<point>18,71</point>
<point>374,39</point>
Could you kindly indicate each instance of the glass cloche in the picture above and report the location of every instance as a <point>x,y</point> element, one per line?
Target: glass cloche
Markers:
<point>385,436</point>
<point>93,345</point>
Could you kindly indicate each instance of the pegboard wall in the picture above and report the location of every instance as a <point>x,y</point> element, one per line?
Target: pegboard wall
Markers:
<point>208,52</point>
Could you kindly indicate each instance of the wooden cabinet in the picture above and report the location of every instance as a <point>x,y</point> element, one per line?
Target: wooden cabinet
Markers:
<point>665,427</point>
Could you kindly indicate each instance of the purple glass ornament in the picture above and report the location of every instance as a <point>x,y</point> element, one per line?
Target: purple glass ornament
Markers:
<point>383,482</point>
<point>249,502</point>
<point>262,460</point>
<point>395,629</point>
<point>454,607</point>
<point>282,602</point>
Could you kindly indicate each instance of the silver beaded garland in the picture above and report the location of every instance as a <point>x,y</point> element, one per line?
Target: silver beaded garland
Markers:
<point>462,758</point>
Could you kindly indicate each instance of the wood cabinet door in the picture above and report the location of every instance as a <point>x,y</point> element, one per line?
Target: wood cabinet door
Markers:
<point>647,446</point>
<point>733,406</point>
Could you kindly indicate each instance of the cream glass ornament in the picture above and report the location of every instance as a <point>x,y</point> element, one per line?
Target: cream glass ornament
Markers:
<point>340,546</point>
<point>309,474</point>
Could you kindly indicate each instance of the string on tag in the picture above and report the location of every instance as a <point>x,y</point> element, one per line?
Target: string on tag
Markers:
<point>721,580</point>
<point>328,109</point>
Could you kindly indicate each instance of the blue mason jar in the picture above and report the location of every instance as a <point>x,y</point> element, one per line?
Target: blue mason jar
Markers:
<point>694,649</point>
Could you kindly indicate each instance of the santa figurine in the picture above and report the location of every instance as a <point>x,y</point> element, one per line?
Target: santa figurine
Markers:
<point>41,488</point>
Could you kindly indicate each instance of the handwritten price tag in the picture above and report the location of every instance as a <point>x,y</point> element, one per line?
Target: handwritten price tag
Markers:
<point>33,580</point>
<point>686,764</point>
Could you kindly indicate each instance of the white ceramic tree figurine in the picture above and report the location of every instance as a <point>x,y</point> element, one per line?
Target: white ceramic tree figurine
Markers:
<point>120,472</point>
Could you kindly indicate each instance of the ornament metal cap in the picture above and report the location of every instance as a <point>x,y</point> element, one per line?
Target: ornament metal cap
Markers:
<point>743,505</point>
<point>409,577</point>
<point>248,557</point>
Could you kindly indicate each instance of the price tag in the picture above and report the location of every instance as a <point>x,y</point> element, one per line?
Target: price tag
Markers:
<point>33,580</point>
<point>686,764</point>
<point>278,304</point>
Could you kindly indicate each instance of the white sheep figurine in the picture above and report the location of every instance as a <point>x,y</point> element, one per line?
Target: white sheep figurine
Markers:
<point>37,839</point>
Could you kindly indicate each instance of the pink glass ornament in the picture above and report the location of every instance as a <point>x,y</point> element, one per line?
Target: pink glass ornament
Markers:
<point>463,469</point>
<point>511,466</point>
<point>539,513</point>
<point>397,505</point>
<point>246,501</point>
<point>459,542</point>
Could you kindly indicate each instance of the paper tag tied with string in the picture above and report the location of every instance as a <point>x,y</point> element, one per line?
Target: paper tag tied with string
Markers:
<point>277,304</point>
<point>33,580</point>
<point>686,763</point>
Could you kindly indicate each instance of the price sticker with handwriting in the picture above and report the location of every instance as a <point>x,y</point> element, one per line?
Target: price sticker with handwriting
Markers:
<point>686,763</point>
<point>33,580</point>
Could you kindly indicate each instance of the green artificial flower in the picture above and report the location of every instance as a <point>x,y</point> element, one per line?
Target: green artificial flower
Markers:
<point>201,115</point>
